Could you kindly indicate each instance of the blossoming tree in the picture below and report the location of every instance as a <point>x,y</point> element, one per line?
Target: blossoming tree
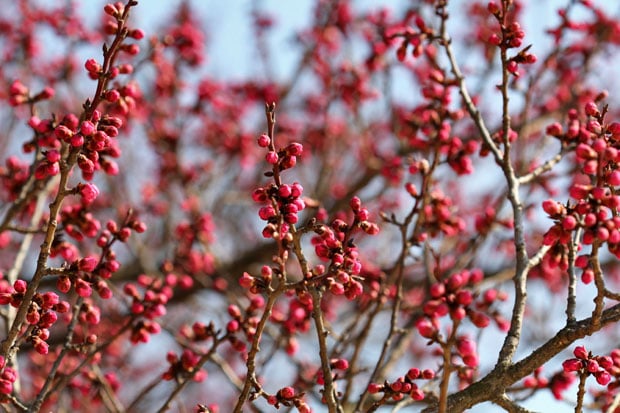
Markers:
<point>422,214</point>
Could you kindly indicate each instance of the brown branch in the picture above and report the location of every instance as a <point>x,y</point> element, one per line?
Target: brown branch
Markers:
<point>499,379</point>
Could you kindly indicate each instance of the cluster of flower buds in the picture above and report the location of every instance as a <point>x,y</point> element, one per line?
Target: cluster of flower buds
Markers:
<point>334,364</point>
<point>281,207</point>
<point>91,272</point>
<point>296,318</point>
<point>8,376</point>
<point>285,158</point>
<point>595,198</point>
<point>38,337</point>
<point>90,314</point>
<point>410,36</point>
<point>487,219</point>
<point>95,137</point>
<point>184,366</point>
<point>20,94</point>
<point>150,304</point>
<point>198,331</point>
<point>585,362</point>
<point>255,284</point>
<point>511,37</point>
<point>89,382</point>
<point>78,222</point>
<point>245,321</point>
<point>559,383</point>
<point>453,296</point>
<point>42,312</point>
<point>403,386</point>
<point>13,176</point>
<point>467,350</point>
<point>284,201</point>
<point>439,217</point>
<point>536,380</point>
<point>607,396</point>
<point>286,396</point>
<point>334,243</point>
<point>114,231</point>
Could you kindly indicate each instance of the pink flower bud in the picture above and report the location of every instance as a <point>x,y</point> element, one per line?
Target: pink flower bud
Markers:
<point>83,288</point>
<point>20,286</point>
<point>466,347</point>
<point>437,290</point>
<point>571,365</point>
<point>263,140</point>
<point>88,264</point>
<point>232,326</point>
<point>493,8</point>
<point>336,288</point>
<point>428,374</point>
<point>89,192</point>
<point>136,34</point>
<point>92,66</point>
<point>295,149</point>
<point>63,284</point>
<point>18,88</point>
<point>340,364</point>
<point>605,362</point>
<point>271,157</point>
<point>77,141</point>
<point>287,392</point>
<point>374,388</point>
<point>425,328</point>
<point>464,297</point>
<point>111,10</point>
<point>555,129</point>
<point>603,378</point>
<point>569,223</point>
<point>471,360</point>
<point>288,162</point>
<point>40,346</point>
<point>494,39</point>
<point>355,204</point>
<point>417,394</point>
<point>591,109</point>
<point>112,95</point>
<point>63,133</point>
<point>246,280</point>
<point>592,366</point>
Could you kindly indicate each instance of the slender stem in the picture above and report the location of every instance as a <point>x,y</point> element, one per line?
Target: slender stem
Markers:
<point>358,348</point>
<point>545,167</point>
<point>599,299</point>
<point>45,390</point>
<point>503,160</point>
<point>581,391</point>
<point>250,379</point>
<point>445,378</point>
<point>145,390</point>
<point>571,301</point>
<point>447,367</point>
<point>329,392</point>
